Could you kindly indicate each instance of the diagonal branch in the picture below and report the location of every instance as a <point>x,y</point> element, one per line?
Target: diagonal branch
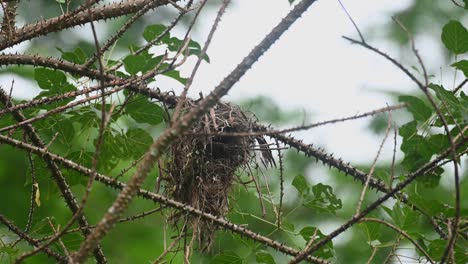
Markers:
<point>13,228</point>
<point>65,21</point>
<point>178,128</point>
<point>157,198</point>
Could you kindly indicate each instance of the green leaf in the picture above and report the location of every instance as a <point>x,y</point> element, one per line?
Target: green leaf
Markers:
<point>80,157</point>
<point>143,63</point>
<point>264,257</point>
<point>8,250</point>
<point>301,185</point>
<point>77,56</point>
<point>310,232</point>
<point>324,200</point>
<point>431,179</point>
<point>455,37</point>
<point>144,111</point>
<point>227,257</point>
<point>417,152</point>
<point>176,76</point>
<point>466,3</point>
<point>454,112</point>
<point>444,95</point>
<point>151,32</point>
<point>408,129</point>
<point>137,142</point>
<point>49,79</point>
<point>436,249</point>
<point>372,230</point>
<point>195,49</point>
<point>462,66</point>
<point>52,82</point>
<point>417,107</point>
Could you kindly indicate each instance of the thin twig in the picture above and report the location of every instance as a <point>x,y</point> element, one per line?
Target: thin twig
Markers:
<point>372,168</point>
<point>352,21</point>
<point>401,232</point>
<point>202,54</point>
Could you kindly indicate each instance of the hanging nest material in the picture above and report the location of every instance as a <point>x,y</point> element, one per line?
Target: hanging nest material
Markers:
<point>202,166</point>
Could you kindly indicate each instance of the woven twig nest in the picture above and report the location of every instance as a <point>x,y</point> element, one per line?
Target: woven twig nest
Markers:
<point>202,166</point>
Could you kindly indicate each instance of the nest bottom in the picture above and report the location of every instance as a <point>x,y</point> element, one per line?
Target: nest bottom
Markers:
<point>202,165</point>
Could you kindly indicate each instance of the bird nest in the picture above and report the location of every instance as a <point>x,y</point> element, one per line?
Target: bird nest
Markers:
<point>202,165</point>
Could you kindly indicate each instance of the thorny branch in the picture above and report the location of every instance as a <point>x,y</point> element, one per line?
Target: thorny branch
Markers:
<point>13,228</point>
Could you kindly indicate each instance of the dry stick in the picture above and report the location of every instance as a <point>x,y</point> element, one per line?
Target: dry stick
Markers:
<point>177,129</point>
<point>281,171</point>
<point>173,244</point>
<point>64,248</point>
<point>401,232</point>
<point>183,97</point>
<point>59,109</point>
<point>271,132</point>
<point>13,228</point>
<point>409,179</point>
<point>122,220</point>
<point>126,84</point>
<point>393,250</point>
<point>457,4</point>
<point>50,100</point>
<point>259,192</point>
<point>56,175</point>
<point>78,69</point>
<point>374,251</point>
<point>372,168</point>
<point>104,116</point>
<point>175,204</point>
<point>395,62</point>
<point>460,86</point>
<point>424,89</point>
<point>34,193</point>
<point>65,21</point>
<point>392,172</point>
<point>352,21</point>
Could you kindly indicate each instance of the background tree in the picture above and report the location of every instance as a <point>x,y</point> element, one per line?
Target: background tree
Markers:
<point>219,185</point>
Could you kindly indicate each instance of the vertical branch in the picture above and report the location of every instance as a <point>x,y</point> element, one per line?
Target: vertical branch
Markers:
<point>374,163</point>
<point>34,193</point>
<point>9,15</point>
<point>281,170</point>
